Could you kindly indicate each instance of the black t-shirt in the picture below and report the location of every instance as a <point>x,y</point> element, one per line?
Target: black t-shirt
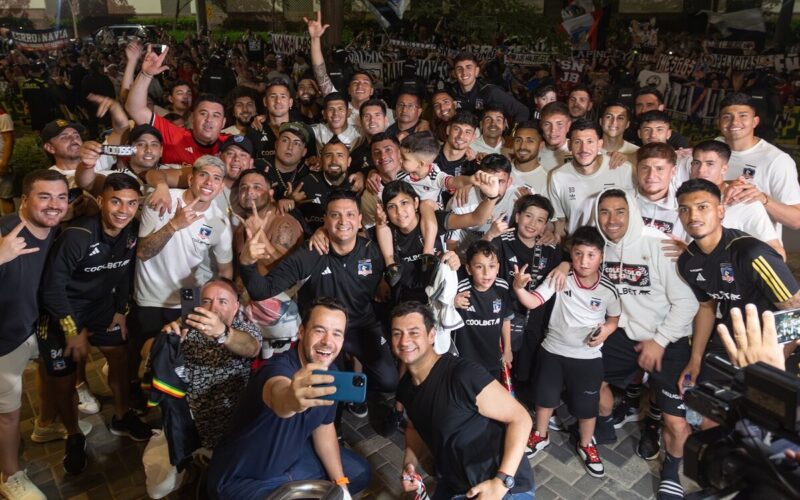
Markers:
<point>740,270</point>
<point>19,305</point>
<point>467,447</point>
<point>479,338</point>
<point>265,140</point>
<point>361,158</point>
<point>317,189</point>
<point>541,259</point>
<point>280,181</point>
<point>407,253</point>
<point>462,166</point>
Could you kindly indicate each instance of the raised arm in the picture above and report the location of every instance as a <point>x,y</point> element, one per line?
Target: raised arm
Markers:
<point>136,104</point>
<point>315,30</point>
<point>133,52</point>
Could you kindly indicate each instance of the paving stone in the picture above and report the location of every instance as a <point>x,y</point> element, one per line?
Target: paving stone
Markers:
<point>569,472</point>
<point>563,489</point>
<point>609,455</point>
<point>617,491</point>
<point>545,493</point>
<point>370,446</point>
<point>588,484</point>
<point>626,476</point>
<point>563,453</point>
<point>390,476</point>
<point>646,486</point>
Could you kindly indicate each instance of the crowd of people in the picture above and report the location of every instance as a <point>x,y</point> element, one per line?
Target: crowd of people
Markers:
<point>499,268</point>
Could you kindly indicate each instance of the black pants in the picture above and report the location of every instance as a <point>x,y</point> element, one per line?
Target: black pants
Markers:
<point>367,343</point>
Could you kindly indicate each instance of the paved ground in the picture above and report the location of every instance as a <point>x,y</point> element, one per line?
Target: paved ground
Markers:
<point>116,470</point>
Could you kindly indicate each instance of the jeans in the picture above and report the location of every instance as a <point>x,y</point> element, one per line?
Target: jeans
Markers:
<point>445,494</point>
<point>308,467</point>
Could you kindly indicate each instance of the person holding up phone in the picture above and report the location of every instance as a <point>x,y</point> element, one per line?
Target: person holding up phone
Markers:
<point>283,429</point>
<point>585,314</point>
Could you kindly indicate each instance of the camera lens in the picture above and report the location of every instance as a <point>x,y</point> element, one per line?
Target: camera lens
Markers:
<point>358,381</point>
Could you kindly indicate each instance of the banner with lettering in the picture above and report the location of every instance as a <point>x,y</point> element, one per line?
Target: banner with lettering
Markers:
<point>52,39</point>
<point>289,44</point>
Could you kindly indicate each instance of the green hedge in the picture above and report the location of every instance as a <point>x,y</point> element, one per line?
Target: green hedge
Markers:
<point>28,156</point>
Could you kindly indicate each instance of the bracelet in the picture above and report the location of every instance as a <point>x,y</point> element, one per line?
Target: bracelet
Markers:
<point>172,226</point>
<point>766,200</point>
<point>145,73</point>
<point>342,481</point>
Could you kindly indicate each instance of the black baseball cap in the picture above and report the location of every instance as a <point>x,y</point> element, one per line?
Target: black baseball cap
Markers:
<point>239,141</point>
<point>55,127</point>
<point>140,130</point>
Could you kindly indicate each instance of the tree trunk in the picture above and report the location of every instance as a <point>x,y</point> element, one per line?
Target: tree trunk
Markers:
<point>202,17</point>
<point>783,28</point>
<point>333,14</point>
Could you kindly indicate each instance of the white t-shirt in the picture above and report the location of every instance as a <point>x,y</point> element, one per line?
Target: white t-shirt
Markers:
<point>504,207</point>
<point>752,218</point>
<point>771,170</point>
<point>429,187</point>
<point>572,193</point>
<point>159,280</point>
<point>6,125</point>
<point>577,312</point>
<point>479,146</point>
<point>628,149</point>
<point>323,134</point>
<point>551,160</point>
<point>662,215</point>
<point>536,179</point>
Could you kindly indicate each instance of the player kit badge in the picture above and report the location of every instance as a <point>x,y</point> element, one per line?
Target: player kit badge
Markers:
<point>726,270</point>
<point>365,267</point>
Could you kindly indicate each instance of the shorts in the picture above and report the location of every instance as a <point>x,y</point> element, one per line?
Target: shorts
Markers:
<point>622,364</point>
<point>145,322</point>
<point>12,365</point>
<point>52,342</point>
<point>582,379</point>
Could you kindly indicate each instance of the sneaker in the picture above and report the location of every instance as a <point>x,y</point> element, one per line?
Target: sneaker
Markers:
<point>604,432</point>
<point>649,447</point>
<point>75,458</point>
<point>591,460</point>
<point>624,413</point>
<point>55,431</point>
<point>130,425</point>
<point>87,403</point>
<point>555,424</point>
<point>395,422</point>
<point>392,275</point>
<point>19,487</point>
<point>360,410</point>
<point>536,443</point>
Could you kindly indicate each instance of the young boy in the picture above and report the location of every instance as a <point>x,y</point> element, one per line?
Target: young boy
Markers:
<point>483,301</point>
<point>418,152</point>
<point>517,245</point>
<point>584,315</point>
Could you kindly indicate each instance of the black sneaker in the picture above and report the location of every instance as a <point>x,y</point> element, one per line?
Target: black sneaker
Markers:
<point>649,446</point>
<point>395,421</point>
<point>604,432</point>
<point>624,412</point>
<point>360,410</point>
<point>75,454</point>
<point>392,275</point>
<point>130,426</point>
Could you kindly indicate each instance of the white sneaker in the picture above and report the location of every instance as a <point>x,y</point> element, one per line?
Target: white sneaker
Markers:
<point>19,487</point>
<point>55,431</point>
<point>87,403</point>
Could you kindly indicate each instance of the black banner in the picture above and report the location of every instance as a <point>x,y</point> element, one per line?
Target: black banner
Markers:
<point>52,39</point>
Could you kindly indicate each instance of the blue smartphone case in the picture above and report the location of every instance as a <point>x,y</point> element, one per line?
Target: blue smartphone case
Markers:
<point>351,387</point>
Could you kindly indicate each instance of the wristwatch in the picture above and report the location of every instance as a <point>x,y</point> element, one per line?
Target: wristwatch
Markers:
<point>508,481</point>
<point>224,337</point>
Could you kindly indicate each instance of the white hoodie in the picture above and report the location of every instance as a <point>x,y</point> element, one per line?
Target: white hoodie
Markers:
<point>656,303</point>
